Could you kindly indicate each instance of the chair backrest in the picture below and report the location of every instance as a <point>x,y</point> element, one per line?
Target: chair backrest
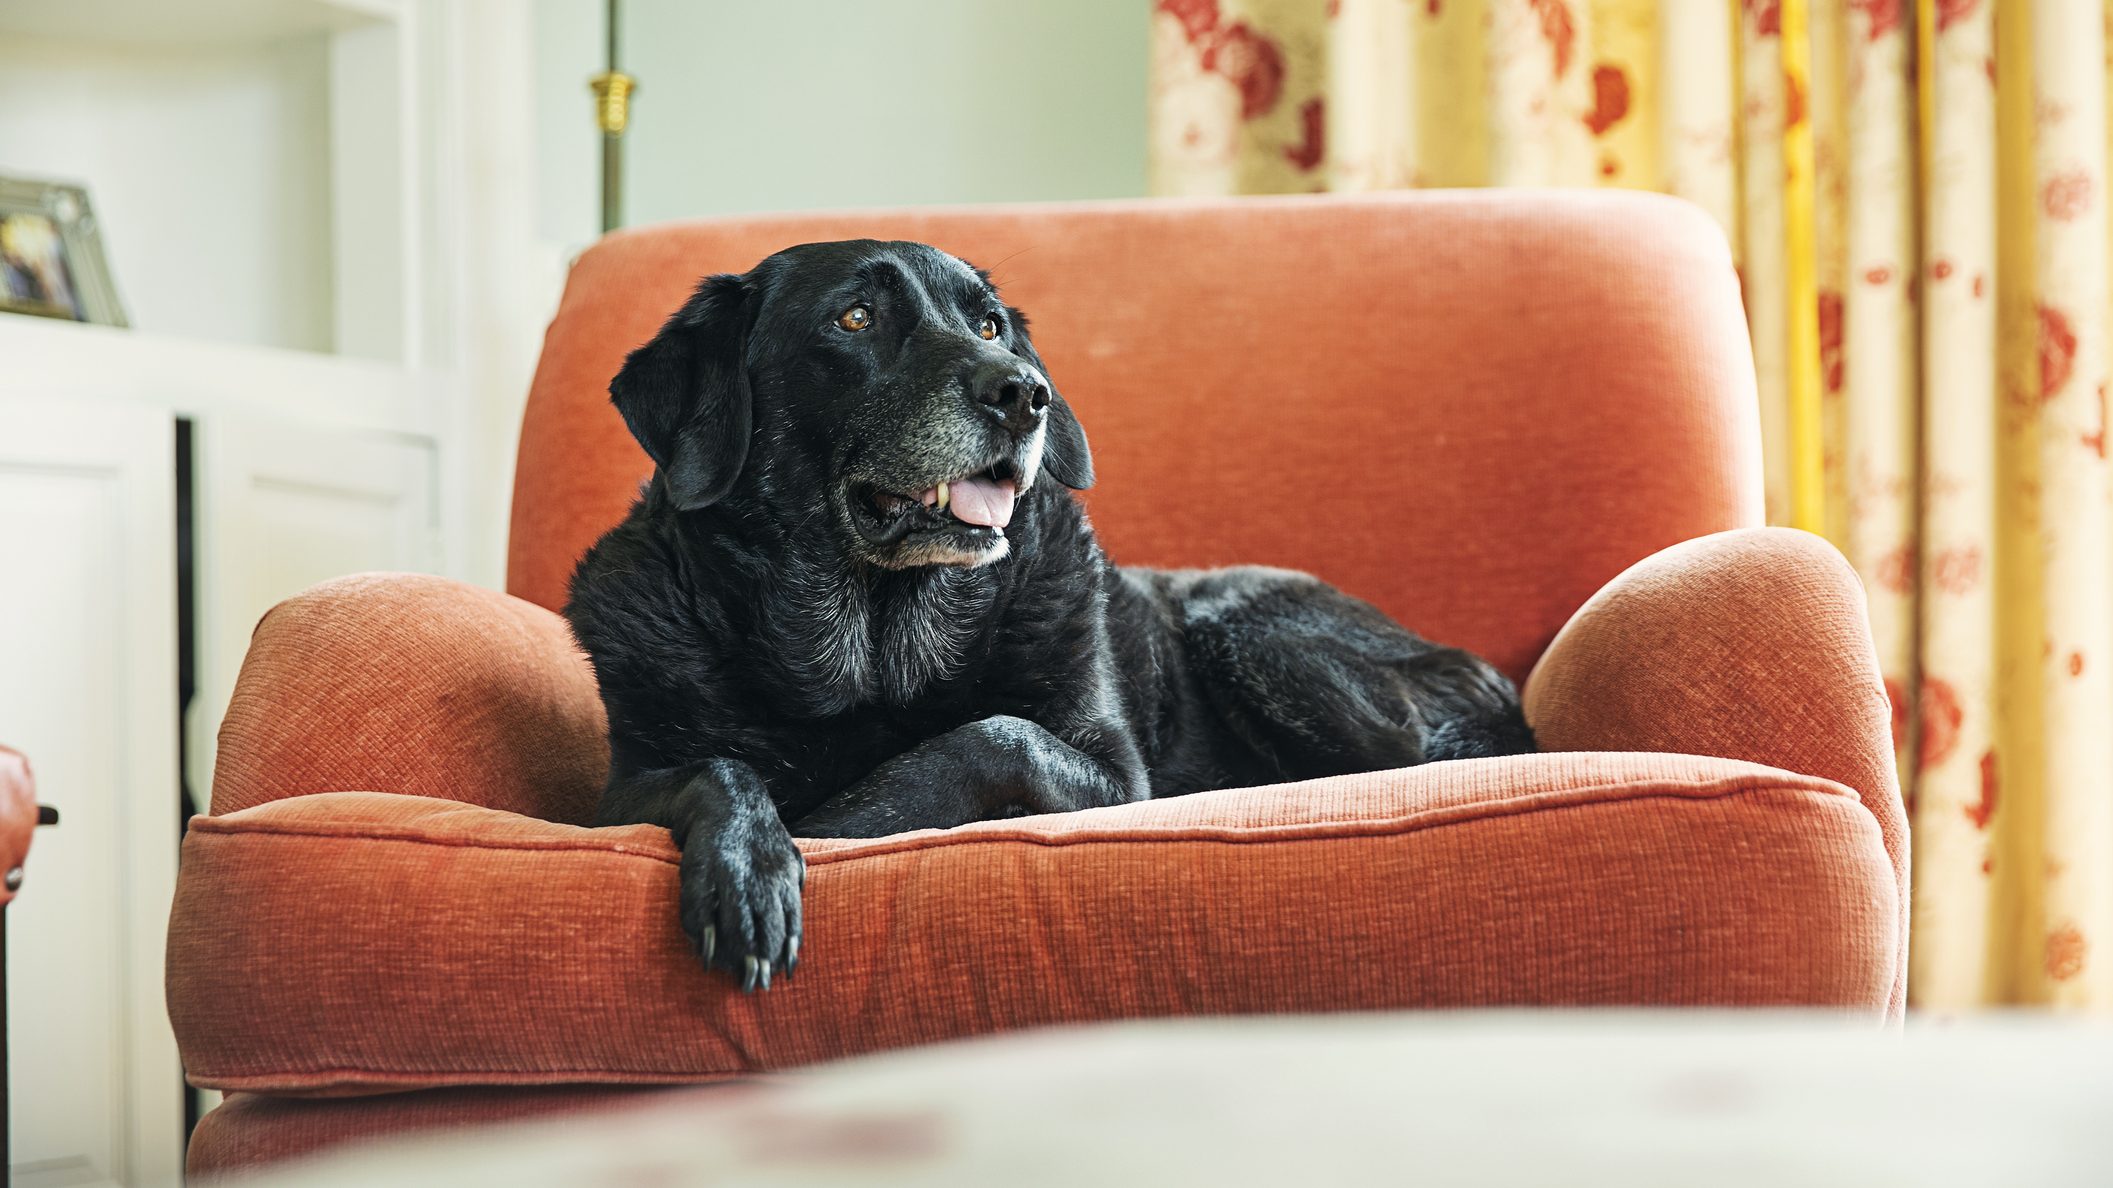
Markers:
<point>1472,408</point>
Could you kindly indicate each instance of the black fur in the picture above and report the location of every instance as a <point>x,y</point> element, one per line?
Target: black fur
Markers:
<point>780,642</point>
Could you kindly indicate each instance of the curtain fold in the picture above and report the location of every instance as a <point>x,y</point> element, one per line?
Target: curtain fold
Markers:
<point>1914,193</point>
<point>2068,502</point>
<point>1955,792</point>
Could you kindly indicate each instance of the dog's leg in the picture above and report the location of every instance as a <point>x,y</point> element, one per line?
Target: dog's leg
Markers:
<point>1318,683</point>
<point>741,875</point>
<point>983,769</point>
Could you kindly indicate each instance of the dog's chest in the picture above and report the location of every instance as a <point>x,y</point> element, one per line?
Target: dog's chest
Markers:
<point>840,641</point>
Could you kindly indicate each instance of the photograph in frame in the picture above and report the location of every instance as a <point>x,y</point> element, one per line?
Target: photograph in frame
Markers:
<point>51,254</point>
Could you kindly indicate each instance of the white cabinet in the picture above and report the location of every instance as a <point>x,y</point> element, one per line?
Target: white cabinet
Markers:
<point>351,179</point>
<point>87,689</point>
<point>303,468</point>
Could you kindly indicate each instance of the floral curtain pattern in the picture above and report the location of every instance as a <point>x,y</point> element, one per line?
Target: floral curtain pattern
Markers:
<point>1915,194</point>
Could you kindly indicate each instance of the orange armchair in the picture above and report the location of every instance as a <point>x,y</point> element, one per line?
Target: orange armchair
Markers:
<point>19,813</point>
<point>1523,404</point>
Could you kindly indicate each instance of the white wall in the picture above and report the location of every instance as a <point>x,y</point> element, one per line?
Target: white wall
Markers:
<point>223,236</point>
<point>803,104</point>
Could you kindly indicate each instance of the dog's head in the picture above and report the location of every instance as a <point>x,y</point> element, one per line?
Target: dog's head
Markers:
<point>880,388</point>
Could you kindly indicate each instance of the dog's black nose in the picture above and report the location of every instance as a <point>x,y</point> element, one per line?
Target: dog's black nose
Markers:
<point>1015,392</point>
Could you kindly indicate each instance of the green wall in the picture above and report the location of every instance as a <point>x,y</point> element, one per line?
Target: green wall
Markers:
<point>803,104</point>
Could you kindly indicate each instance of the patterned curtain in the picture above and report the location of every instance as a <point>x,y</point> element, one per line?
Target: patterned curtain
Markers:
<point>1915,195</point>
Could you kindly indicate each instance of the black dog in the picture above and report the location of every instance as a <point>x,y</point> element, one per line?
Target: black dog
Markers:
<point>856,598</point>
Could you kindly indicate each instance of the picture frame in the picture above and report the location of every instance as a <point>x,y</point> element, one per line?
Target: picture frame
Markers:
<point>51,254</point>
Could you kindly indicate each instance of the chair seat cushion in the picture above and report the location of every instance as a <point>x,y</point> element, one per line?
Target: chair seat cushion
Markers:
<point>358,942</point>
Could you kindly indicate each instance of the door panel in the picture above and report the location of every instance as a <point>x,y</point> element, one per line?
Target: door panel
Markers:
<point>88,692</point>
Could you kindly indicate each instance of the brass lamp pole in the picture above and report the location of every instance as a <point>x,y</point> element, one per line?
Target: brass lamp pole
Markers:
<point>612,110</point>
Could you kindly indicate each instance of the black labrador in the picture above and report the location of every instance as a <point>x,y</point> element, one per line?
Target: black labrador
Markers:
<point>857,598</point>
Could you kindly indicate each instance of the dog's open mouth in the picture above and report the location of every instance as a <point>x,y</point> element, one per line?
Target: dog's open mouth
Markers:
<point>980,502</point>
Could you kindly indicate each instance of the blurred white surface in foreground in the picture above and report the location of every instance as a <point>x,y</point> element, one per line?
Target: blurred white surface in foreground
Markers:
<point>1484,1098</point>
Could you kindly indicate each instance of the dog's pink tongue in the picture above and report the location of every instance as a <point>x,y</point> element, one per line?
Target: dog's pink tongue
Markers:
<point>981,501</point>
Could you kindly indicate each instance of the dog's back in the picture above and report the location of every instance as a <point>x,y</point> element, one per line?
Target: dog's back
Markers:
<point>1252,675</point>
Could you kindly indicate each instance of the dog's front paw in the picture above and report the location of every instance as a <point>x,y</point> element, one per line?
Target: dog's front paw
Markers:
<point>741,899</point>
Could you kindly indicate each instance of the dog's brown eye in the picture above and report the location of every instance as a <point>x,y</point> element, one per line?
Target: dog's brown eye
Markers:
<point>989,328</point>
<point>858,317</point>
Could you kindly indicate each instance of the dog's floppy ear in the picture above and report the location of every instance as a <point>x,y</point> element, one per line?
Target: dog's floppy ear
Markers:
<point>685,394</point>
<point>1064,453</point>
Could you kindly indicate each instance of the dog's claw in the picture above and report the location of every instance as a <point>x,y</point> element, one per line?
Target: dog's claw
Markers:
<point>792,955</point>
<point>738,898</point>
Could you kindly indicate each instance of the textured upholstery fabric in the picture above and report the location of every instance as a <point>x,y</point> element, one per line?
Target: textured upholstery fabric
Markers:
<point>249,1130</point>
<point>1472,408</point>
<point>455,945</point>
<point>18,814</point>
<point>420,685</point>
<point>1751,645</point>
<point>1476,410</point>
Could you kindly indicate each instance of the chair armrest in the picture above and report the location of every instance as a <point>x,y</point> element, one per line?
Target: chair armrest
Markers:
<point>420,685</point>
<point>18,817</point>
<point>1753,644</point>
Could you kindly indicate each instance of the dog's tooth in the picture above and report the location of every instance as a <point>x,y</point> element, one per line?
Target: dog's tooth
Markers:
<point>943,497</point>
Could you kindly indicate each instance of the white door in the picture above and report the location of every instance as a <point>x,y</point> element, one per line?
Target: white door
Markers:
<point>279,508</point>
<point>87,691</point>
